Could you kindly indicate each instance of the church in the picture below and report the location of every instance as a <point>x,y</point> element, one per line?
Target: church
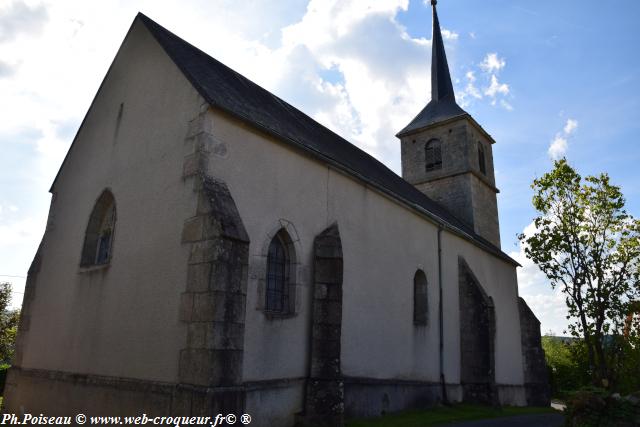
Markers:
<point>212,249</point>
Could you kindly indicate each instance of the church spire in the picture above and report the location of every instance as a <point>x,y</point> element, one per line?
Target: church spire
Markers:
<point>447,155</point>
<point>441,86</point>
<point>443,101</point>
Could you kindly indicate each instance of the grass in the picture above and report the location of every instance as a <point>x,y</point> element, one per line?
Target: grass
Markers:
<point>444,415</point>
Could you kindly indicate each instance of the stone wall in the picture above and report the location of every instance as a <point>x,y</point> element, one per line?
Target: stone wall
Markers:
<point>324,400</point>
<point>485,206</point>
<point>459,185</point>
<point>214,302</point>
<point>455,152</point>
<point>371,397</point>
<point>536,376</point>
<point>66,394</point>
<point>213,305</point>
<point>454,193</point>
<point>477,335</point>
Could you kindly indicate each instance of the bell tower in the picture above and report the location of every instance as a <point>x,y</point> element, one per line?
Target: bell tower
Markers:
<point>447,155</point>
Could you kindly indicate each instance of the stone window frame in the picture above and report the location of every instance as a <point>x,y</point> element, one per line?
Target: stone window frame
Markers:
<point>104,205</point>
<point>433,149</point>
<point>278,274</point>
<point>420,298</point>
<point>288,233</point>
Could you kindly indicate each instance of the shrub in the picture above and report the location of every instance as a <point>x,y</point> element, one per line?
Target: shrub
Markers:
<point>3,376</point>
<point>594,407</point>
<point>567,364</point>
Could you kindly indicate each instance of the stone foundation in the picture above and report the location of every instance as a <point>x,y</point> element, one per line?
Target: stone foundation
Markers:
<point>272,403</point>
<point>56,393</point>
<point>367,397</point>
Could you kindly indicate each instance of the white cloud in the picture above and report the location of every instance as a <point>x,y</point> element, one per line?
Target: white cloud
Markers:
<point>558,147</point>
<point>560,143</point>
<point>571,126</point>
<point>551,309</point>
<point>381,68</point>
<point>471,76</point>
<point>507,106</point>
<point>492,63</point>
<point>6,69</point>
<point>492,88</point>
<point>17,17</point>
<point>496,88</point>
<point>13,233</point>
<point>449,35</point>
<point>470,89</point>
<point>19,239</point>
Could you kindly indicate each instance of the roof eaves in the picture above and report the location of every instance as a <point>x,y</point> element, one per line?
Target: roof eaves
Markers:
<point>409,130</point>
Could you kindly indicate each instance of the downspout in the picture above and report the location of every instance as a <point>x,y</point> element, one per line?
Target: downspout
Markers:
<point>443,384</point>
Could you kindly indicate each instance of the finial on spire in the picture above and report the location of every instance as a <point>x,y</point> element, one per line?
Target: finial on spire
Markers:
<point>434,2</point>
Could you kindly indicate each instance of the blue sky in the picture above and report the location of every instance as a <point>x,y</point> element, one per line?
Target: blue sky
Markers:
<point>545,78</point>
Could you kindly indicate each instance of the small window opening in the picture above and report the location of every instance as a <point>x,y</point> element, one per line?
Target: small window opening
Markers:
<point>420,299</point>
<point>481,159</point>
<point>433,155</point>
<point>98,240</point>
<point>278,269</point>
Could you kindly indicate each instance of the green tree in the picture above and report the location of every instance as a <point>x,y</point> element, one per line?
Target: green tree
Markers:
<point>8,324</point>
<point>588,245</point>
<point>566,359</point>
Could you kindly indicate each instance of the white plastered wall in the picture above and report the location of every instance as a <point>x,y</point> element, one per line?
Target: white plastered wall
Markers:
<point>121,321</point>
<point>384,243</point>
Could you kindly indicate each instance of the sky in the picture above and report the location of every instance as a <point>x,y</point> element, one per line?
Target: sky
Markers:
<point>546,78</point>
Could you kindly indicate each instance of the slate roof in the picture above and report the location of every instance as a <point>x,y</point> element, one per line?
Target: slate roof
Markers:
<point>233,93</point>
<point>434,112</point>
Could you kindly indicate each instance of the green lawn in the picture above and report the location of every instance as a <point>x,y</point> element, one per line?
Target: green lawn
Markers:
<point>443,415</point>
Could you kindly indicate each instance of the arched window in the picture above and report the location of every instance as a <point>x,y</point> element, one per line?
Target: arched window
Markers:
<point>481,160</point>
<point>278,274</point>
<point>420,299</point>
<point>433,155</point>
<point>98,239</point>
